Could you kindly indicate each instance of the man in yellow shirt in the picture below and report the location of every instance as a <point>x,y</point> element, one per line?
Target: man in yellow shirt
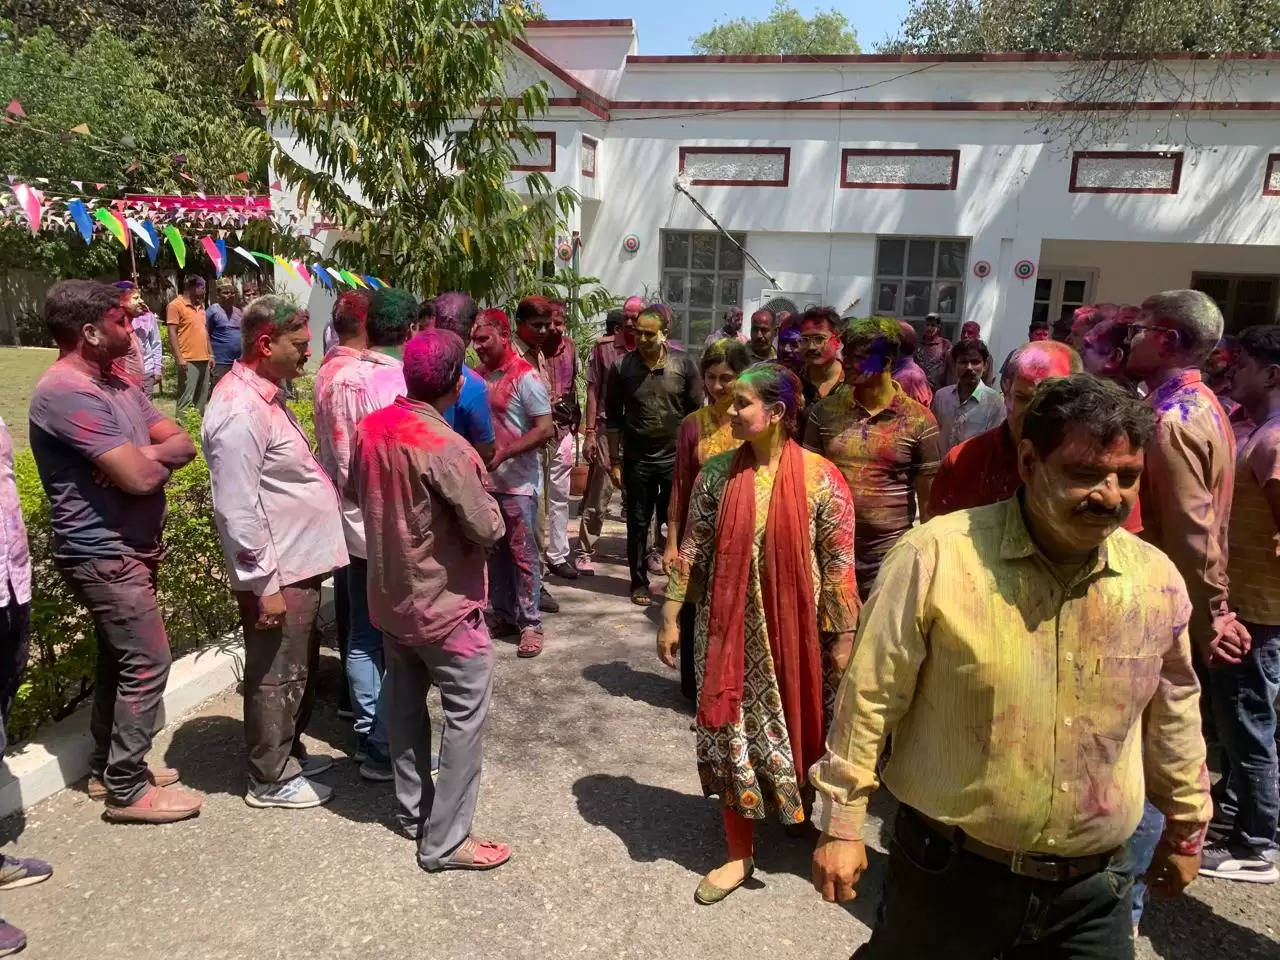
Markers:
<point>1031,660</point>
<point>189,341</point>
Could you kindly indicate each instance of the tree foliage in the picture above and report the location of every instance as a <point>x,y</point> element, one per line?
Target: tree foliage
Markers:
<point>404,135</point>
<point>785,32</point>
<point>1116,43</point>
<point>1100,27</point>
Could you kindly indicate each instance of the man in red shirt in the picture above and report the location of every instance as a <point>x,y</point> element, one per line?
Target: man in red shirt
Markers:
<point>984,469</point>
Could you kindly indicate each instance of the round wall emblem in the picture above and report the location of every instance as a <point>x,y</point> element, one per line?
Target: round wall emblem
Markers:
<point>982,269</point>
<point>564,250</point>
<point>1024,269</point>
<point>631,243</point>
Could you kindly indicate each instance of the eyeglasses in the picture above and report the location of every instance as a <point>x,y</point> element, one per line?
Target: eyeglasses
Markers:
<point>1135,328</point>
<point>814,340</point>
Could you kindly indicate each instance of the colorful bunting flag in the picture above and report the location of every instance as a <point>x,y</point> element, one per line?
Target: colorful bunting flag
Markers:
<point>371,281</point>
<point>15,109</point>
<point>138,230</point>
<point>222,251</point>
<point>112,222</point>
<point>31,201</point>
<point>153,247</point>
<point>82,129</point>
<point>175,241</point>
<point>80,214</point>
<point>302,271</point>
<point>286,266</point>
<point>211,249</point>
<point>245,253</point>
<point>322,275</point>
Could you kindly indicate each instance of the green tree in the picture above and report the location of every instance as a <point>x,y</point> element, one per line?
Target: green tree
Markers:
<point>785,32</point>
<point>1117,45</point>
<point>398,128</point>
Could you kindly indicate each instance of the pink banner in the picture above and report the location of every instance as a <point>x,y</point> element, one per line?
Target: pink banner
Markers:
<point>251,206</point>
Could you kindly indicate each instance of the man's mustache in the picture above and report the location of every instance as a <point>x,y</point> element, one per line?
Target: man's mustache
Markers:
<point>1091,509</point>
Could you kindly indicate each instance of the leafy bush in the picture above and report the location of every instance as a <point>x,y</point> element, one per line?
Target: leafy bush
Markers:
<point>194,595</point>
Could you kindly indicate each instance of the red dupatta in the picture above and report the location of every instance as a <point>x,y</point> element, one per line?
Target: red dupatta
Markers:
<point>791,617</point>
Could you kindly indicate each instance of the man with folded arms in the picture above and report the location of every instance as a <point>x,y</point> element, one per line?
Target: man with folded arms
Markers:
<point>428,524</point>
<point>1032,663</point>
<point>279,521</point>
<point>104,453</point>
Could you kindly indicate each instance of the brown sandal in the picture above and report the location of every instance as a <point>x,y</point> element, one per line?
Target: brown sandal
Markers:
<point>477,854</point>
<point>641,597</point>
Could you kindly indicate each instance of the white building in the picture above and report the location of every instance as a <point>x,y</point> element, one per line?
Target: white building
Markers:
<point>899,185</point>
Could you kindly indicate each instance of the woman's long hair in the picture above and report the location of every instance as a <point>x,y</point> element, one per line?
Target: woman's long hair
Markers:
<point>774,383</point>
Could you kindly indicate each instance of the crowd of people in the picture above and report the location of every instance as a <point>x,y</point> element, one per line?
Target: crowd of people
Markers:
<point>1022,599</point>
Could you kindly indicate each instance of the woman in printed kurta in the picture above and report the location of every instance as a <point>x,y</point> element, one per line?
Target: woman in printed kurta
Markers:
<point>768,555</point>
<point>703,434</point>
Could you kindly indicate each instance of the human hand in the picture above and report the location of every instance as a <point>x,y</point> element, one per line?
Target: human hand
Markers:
<point>1170,872</point>
<point>271,610</point>
<point>670,554</point>
<point>669,644</point>
<point>837,867</point>
<point>499,455</point>
<point>842,650</point>
<point>615,474</point>
<point>1231,641</point>
<point>590,449</point>
<point>182,365</point>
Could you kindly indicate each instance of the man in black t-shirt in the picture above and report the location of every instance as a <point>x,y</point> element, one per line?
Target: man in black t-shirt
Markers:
<point>104,454</point>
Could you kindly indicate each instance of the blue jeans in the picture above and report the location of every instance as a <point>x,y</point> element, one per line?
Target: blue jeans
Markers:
<point>515,569</point>
<point>1142,848</point>
<point>1244,705</point>
<point>365,665</point>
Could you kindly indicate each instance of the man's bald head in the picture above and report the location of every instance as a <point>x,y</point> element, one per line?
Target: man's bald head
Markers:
<point>1028,367</point>
<point>907,342</point>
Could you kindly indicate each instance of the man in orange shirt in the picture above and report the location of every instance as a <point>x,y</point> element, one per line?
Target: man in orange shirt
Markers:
<point>189,341</point>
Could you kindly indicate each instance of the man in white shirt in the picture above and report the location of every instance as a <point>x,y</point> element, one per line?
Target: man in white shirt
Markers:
<point>967,407</point>
<point>278,517</point>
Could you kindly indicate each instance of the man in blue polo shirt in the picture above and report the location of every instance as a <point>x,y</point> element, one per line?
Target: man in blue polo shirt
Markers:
<point>470,416</point>
<point>223,321</point>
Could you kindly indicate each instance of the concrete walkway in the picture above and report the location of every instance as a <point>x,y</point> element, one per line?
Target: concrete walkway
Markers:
<point>589,774</point>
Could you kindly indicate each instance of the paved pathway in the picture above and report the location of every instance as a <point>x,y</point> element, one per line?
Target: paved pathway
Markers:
<point>589,774</point>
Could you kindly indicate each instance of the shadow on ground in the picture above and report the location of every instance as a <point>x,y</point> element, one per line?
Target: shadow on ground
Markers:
<point>620,679</point>
<point>1188,929</point>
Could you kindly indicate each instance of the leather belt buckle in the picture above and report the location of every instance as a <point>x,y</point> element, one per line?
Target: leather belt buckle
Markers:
<point>1016,862</point>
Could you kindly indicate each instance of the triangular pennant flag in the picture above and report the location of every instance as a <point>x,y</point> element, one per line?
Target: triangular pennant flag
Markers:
<point>245,253</point>
<point>243,176</point>
<point>275,185</point>
<point>211,249</point>
<point>78,184</point>
<point>337,275</point>
<point>32,203</point>
<point>113,223</point>
<point>98,186</point>
<point>303,272</point>
<point>322,275</point>
<point>129,169</point>
<point>138,230</point>
<point>15,109</point>
<point>263,256</point>
<point>81,216</point>
<point>222,251</point>
<point>286,266</point>
<point>371,281</point>
<point>176,242</point>
<point>82,129</point>
<point>352,279</point>
<point>153,248</point>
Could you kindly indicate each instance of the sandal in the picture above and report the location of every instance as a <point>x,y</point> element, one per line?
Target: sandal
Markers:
<point>476,854</point>
<point>708,893</point>
<point>640,597</point>
<point>530,642</point>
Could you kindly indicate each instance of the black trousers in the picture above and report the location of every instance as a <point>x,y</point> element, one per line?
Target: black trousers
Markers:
<point>342,616</point>
<point>648,491</point>
<point>14,621</point>
<point>133,667</point>
<point>944,903</point>
<point>688,678</point>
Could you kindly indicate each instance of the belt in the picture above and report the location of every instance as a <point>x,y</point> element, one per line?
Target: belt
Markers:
<point>1038,866</point>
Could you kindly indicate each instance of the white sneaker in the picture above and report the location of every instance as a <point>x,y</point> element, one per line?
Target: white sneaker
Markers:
<point>1239,863</point>
<point>296,794</point>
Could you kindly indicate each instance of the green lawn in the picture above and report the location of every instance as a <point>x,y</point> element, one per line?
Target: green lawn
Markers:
<point>20,368</point>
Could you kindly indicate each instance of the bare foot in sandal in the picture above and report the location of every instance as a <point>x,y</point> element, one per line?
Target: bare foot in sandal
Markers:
<point>477,854</point>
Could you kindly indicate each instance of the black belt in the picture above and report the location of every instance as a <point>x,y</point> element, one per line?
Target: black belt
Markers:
<point>1038,866</point>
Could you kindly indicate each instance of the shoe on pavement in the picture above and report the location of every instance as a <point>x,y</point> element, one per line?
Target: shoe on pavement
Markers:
<point>22,872</point>
<point>1236,862</point>
<point>641,597</point>
<point>564,570</point>
<point>371,769</point>
<point>476,854</point>
<point>500,629</point>
<point>547,603</point>
<point>584,565</point>
<point>156,805</point>
<point>530,642</point>
<point>296,794</point>
<point>159,776</point>
<point>12,940</point>
<point>314,764</point>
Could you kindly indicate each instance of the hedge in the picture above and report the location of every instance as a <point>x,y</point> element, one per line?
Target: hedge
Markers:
<point>194,596</point>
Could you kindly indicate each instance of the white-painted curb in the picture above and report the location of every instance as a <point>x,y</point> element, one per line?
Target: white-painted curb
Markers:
<point>58,756</point>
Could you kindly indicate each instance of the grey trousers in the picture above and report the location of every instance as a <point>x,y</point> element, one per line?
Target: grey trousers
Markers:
<point>193,384</point>
<point>595,501</point>
<point>438,814</point>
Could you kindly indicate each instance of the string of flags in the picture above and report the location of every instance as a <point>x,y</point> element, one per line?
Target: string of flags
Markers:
<point>135,217</point>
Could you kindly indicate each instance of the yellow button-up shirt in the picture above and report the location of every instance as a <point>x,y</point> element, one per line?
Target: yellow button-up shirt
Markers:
<point>1023,711</point>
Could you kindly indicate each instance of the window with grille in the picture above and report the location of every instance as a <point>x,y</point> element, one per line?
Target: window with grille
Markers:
<point>920,275</point>
<point>1244,299</point>
<point>702,275</point>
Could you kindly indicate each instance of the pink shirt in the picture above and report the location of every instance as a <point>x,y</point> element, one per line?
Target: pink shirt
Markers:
<point>15,560</point>
<point>370,382</point>
<point>276,511</point>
